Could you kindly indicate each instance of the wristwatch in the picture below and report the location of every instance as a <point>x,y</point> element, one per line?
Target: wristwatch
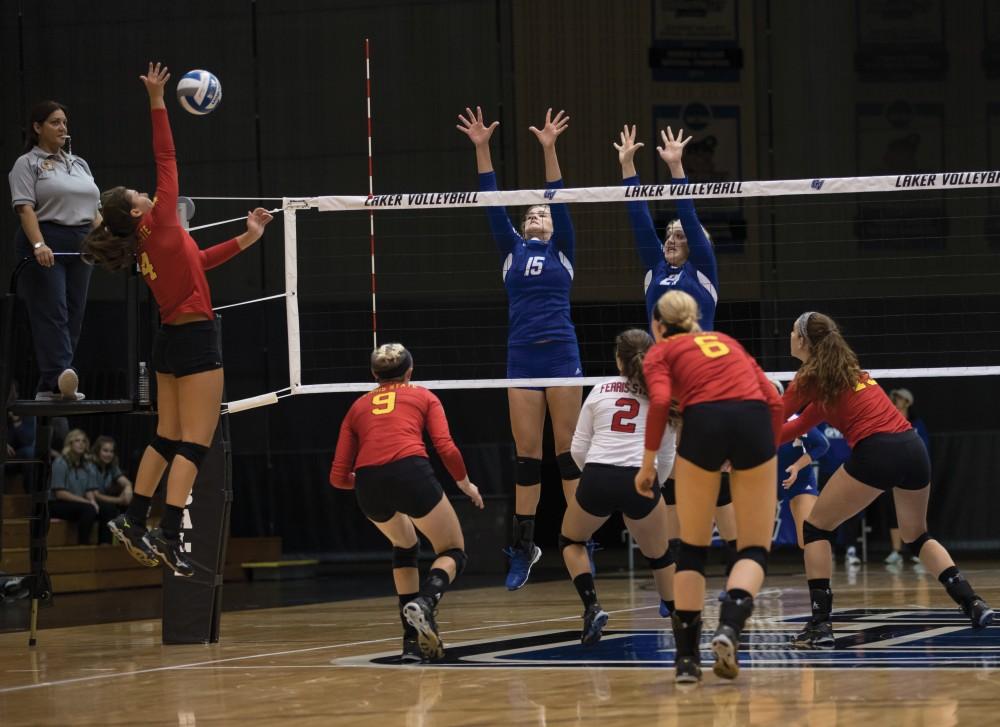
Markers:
<point>37,245</point>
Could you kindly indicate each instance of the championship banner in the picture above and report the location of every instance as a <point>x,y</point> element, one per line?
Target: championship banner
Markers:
<point>651,192</point>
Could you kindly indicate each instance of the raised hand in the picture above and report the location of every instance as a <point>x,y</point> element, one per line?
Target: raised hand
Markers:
<point>673,147</point>
<point>473,126</point>
<point>257,220</point>
<point>155,80</point>
<point>628,147</point>
<point>553,127</point>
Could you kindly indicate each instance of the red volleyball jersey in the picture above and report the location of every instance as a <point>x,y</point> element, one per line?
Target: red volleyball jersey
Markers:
<point>169,258</point>
<point>387,424</point>
<point>695,368</point>
<point>858,413</point>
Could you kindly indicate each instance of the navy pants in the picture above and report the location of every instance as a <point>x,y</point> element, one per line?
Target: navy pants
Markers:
<point>55,298</point>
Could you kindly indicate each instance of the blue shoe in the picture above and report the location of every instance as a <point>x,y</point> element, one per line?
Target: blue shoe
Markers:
<point>520,565</point>
<point>594,620</point>
<point>664,609</point>
<point>592,547</point>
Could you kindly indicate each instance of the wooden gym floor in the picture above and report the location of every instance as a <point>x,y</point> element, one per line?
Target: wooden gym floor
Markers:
<point>904,658</point>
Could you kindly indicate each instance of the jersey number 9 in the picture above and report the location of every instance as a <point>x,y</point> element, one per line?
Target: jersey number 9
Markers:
<point>383,403</point>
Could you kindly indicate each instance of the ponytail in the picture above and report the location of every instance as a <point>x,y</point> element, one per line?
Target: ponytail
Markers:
<point>631,347</point>
<point>832,367</point>
<point>113,243</point>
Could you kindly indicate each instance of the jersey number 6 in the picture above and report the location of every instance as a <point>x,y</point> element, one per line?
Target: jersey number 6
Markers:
<point>711,346</point>
<point>628,409</point>
<point>383,403</point>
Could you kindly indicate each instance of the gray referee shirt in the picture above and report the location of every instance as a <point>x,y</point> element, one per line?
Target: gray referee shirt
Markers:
<point>78,480</point>
<point>59,186</point>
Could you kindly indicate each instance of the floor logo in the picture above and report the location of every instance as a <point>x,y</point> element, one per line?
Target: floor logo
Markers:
<point>866,639</point>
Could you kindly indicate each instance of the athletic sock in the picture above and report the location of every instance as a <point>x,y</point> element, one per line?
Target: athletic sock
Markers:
<point>524,531</point>
<point>585,587</point>
<point>138,510</point>
<point>434,585</point>
<point>405,598</point>
<point>171,522</point>
<point>821,598</point>
<point>958,588</point>
<point>687,632</point>
<point>736,608</point>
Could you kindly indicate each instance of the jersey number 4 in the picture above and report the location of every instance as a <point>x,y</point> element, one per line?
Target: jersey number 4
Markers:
<point>628,409</point>
<point>383,403</point>
<point>534,266</point>
<point>146,267</point>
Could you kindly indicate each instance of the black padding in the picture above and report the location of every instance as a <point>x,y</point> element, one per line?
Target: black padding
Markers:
<point>567,467</point>
<point>565,542</point>
<point>193,453</point>
<point>529,471</point>
<point>811,533</point>
<point>674,544</point>
<point>458,555</point>
<point>664,561</point>
<point>692,557</point>
<point>918,544</point>
<point>756,553</point>
<point>164,447</point>
<point>405,557</point>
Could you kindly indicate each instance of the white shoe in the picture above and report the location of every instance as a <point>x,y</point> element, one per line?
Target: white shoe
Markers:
<point>68,383</point>
<point>914,559</point>
<point>894,558</point>
<point>852,558</point>
<point>47,396</point>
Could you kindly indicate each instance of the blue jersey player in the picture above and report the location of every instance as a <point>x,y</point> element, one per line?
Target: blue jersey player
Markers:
<point>796,476</point>
<point>685,261</point>
<point>537,269</point>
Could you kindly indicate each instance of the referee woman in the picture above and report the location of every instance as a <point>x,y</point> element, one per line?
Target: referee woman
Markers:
<point>537,268</point>
<point>186,352</point>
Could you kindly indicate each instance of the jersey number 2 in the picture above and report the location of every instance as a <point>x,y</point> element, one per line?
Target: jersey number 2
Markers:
<point>383,403</point>
<point>628,409</point>
<point>146,267</point>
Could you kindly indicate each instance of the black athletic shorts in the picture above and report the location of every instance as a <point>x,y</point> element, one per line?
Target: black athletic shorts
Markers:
<point>891,460</point>
<point>715,431</point>
<point>725,494</point>
<point>407,485</point>
<point>608,488</point>
<point>188,348</point>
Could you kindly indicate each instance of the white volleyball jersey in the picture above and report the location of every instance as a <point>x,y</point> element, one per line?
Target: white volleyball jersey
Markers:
<point>612,427</point>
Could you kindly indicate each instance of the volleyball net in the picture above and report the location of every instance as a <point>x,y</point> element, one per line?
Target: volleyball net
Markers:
<point>907,265</point>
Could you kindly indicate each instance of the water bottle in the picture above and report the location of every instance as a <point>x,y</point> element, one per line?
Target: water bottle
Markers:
<point>144,399</point>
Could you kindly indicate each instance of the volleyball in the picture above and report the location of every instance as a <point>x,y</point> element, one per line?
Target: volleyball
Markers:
<point>199,92</point>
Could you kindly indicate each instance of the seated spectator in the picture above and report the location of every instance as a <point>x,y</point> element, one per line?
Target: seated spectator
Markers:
<point>74,488</point>
<point>113,487</point>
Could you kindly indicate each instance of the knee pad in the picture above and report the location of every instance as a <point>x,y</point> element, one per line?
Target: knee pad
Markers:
<point>565,542</point>
<point>529,471</point>
<point>664,561</point>
<point>811,533</point>
<point>918,543</point>
<point>567,467</point>
<point>756,553</point>
<point>164,447</point>
<point>193,453</point>
<point>458,555</point>
<point>692,557</point>
<point>674,546</point>
<point>405,557</point>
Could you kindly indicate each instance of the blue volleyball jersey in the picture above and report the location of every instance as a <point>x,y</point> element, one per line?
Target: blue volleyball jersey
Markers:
<point>838,452</point>
<point>698,276</point>
<point>537,275</point>
<point>812,443</point>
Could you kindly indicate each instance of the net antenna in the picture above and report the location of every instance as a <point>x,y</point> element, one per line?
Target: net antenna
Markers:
<point>371,190</point>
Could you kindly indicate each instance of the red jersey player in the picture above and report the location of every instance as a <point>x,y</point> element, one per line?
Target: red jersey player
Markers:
<point>186,351</point>
<point>731,412</point>
<point>886,454</point>
<point>381,453</point>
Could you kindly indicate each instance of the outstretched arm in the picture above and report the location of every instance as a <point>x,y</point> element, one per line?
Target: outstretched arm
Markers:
<point>643,230</point>
<point>472,125</point>
<point>214,256</point>
<point>165,207</point>
<point>702,256</point>
<point>563,235</point>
